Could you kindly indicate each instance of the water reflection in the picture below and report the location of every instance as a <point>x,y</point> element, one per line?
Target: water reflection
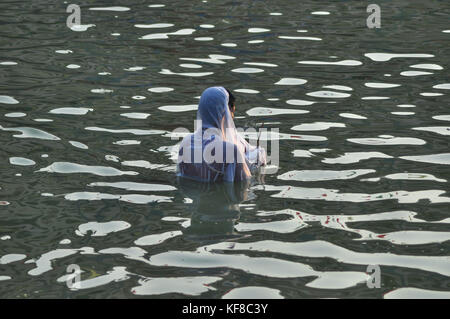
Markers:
<point>214,208</point>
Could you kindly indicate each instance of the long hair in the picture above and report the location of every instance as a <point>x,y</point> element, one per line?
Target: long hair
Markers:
<point>231,99</point>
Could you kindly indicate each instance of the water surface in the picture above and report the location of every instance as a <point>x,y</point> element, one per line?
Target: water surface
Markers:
<point>86,157</point>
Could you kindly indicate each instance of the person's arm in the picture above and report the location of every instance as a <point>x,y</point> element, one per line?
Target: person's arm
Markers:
<point>256,156</point>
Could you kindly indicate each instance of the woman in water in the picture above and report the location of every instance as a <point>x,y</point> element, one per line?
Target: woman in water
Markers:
<point>215,152</point>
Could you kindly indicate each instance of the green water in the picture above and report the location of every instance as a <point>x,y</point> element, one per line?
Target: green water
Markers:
<point>86,175</point>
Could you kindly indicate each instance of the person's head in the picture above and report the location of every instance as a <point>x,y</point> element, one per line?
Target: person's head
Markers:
<point>213,107</point>
<point>231,102</point>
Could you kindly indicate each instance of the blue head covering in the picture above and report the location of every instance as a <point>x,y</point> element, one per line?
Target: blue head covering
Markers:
<point>212,107</point>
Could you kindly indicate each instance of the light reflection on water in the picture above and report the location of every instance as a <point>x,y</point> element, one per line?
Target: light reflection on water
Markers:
<point>85,182</point>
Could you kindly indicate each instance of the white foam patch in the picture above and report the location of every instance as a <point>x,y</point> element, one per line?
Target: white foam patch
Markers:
<point>154,25</point>
<point>72,110</point>
<point>115,275</point>
<point>316,126</point>
<point>265,111</point>
<point>101,91</point>
<point>288,37</point>
<point>416,293</point>
<point>21,161</point>
<point>81,27</point>
<point>443,86</point>
<point>178,108</point>
<point>120,131</point>
<point>442,117</point>
<point>380,85</point>
<point>30,132</point>
<point>10,258</point>
<point>133,186</point>
<point>339,280</point>
<point>323,175</point>
<point>338,87</point>
<point>129,198</point>
<point>73,66</point>
<point>188,74</point>
<point>5,99</point>
<point>156,239</point>
<point>442,130</point>
<point>248,91</point>
<point>375,98</point>
<point>383,57</point>
<point>160,89</point>
<point>247,70</point>
<point>191,286</point>
<point>328,94</point>
<point>353,116</point>
<point>117,9</point>
<point>258,30</point>
<point>300,102</point>
<point>414,73</point>
<point>354,157</point>
<point>136,115</point>
<point>320,13</point>
<point>443,158</point>
<point>291,81</point>
<point>388,141</point>
<point>71,168</point>
<point>15,114</point>
<point>99,229</point>
<point>342,63</point>
<point>253,292</point>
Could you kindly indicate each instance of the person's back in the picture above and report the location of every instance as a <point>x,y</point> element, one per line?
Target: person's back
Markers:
<point>215,171</point>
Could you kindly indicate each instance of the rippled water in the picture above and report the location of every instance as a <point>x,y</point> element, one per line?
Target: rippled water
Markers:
<point>86,168</point>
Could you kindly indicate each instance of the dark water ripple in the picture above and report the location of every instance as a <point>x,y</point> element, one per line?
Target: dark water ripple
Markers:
<point>86,170</point>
